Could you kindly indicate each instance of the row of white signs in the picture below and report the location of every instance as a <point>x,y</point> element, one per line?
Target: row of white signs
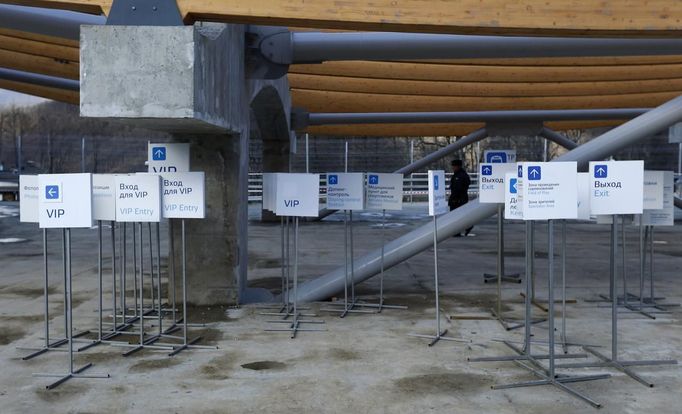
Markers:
<point>294,194</point>
<point>75,200</point>
<point>541,191</point>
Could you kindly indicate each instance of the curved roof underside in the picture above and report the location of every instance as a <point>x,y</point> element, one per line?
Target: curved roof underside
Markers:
<point>404,86</point>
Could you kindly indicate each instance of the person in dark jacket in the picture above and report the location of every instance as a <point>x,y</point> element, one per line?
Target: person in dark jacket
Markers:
<point>459,189</point>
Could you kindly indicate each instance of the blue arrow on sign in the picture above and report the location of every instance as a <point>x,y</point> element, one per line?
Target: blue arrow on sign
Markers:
<point>519,172</point>
<point>374,179</point>
<point>601,171</point>
<point>333,179</point>
<point>52,192</point>
<point>534,173</point>
<point>512,186</point>
<point>487,170</point>
<point>159,154</point>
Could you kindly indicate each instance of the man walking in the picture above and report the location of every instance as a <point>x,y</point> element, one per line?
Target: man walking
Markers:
<point>459,189</point>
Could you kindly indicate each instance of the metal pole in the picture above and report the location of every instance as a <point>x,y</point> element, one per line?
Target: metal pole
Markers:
<point>307,156</point>
<point>500,263</point>
<point>624,261</point>
<point>66,299</point>
<point>285,305</point>
<point>295,324</point>
<point>651,263</point>
<point>158,274</point>
<point>82,154</point>
<point>184,284</point>
<point>124,268</point>
<point>352,260</point>
<point>46,288</point>
<point>532,260</point>
<point>381,275</point>
<point>435,273</point>
<point>642,261</point>
<point>141,286</point>
<point>550,295</point>
<point>563,287</point>
<point>151,268</point>
<point>345,256</point>
<point>69,292</point>
<point>614,295</point>
<point>171,260</point>
<point>99,275</point>
<point>529,288</point>
<point>113,271</point>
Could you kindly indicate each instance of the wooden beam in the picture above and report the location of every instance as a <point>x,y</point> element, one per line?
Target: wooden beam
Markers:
<point>420,130</point>
<point>325,101</point>
<point>482,73</point>
<point>490,89</point>
<point>634,18</point>
<point>55,94</point>
<point>40,38</point>
<point>39,64</point>
<point>32,47</point>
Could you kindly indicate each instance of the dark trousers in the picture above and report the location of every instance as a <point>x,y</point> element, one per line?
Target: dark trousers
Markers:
<point>454,204</point>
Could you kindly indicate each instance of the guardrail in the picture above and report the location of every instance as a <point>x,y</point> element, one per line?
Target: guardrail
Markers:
<point>414,186</point>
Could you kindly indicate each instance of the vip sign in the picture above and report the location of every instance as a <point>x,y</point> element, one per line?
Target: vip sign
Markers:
<point>167,158</point>
<point>28,198</point>
<point>384,191</point>
<point>653,190</point>
<point>183,195</point>
<point>664,216</point>
<point>298,195</point>
<point>583,196</point>
<point>491,182</point>
<point>550,190</point>
<point>512,208</point>
<point>346,191</point>
<point>138,198</point>
<point>103,197</point>
<point>438,204</point>
<point>616,187</point>
<point>499,156</point>
<point>65,200</point>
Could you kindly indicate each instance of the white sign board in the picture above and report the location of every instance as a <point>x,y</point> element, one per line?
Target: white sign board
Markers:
<point>616,187</point>
<point>298,195</point>
<point>550,190</point>
<point>103,197</point>
<point>346,191</point>
<point>167,158</point>
<point>653,190</point>
<point>675,133</point>
<point>138,198</point>
<point>512,210</point>
<point>384,191</point>
<point>268,191</point>
<point>491,182</point>
<point>499,156</point>
<point>438,204</point>
<point>28,198</point>
<point>65,200</point>
<point>183,195</point>
<point>666,215</point>
<point>583,196</point>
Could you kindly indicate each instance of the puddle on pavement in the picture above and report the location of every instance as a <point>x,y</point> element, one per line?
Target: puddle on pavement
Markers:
<point>264,365</point>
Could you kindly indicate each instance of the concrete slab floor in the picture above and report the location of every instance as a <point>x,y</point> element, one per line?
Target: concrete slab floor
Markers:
<point>363,363</point>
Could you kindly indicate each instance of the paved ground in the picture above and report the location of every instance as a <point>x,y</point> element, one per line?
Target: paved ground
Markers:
<point>364,363</point>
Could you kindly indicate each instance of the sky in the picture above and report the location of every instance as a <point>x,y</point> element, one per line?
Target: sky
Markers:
<point>9,98</point>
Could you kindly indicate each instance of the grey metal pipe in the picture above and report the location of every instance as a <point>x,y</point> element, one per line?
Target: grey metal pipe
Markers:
<point>36,79</point>
<point>557,138</point>
<point>678,202</point>
<point>473,212</point>
<point>48,22</point>
<point>472,116</point>
<point>310,47</point>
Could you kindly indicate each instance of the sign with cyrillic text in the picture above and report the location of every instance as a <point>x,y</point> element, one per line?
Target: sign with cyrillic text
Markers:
<point>28,198</point>
<point>65,200</point>
<point>384,191</point>
<point>491,182</point>
<point>666,215</point>
<point>616,187</point>
<point>653,190</point>
<point>550,190</point>
<point>103,197</point>
<point>298,195</point>
<point>438,204</point>
<point>499,156</point>
<point>183,195</point>
<point>512,209</point>
<point>346,191</point>
<point>138,198</point>
<point>168,157</point>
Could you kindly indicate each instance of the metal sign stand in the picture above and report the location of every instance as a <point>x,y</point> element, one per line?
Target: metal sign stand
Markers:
<point>294,324</point>
<point>440,335</point>
<point>525,359</point>
<point>501,276</point>
<point>614,361</point>
<point>68,289</point>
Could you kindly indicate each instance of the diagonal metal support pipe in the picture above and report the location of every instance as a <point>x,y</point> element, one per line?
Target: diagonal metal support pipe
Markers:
<point>458,220</point>
<point>557,138</point>
<point>678,202</point>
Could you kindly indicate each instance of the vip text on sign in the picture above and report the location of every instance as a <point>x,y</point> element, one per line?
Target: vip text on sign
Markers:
<point>138,198</point>
<point>346,191</point>
<point>28,198</point>
<point>512,210</point>
<point>438,204</point>
<point>550,190</point>
<point>298,195</point>
<point>65,200</point>
<point>499,156</point>
<point>103,197</point>
<point>616,187</point>
<point>183,195</point>
<point>491,182</point>
<point>666,215</point>
<point>384,191</point>
<point>168,158</point>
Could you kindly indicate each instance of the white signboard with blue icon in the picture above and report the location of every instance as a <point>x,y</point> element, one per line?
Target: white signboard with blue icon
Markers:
<point>653,190</point>
<point>583,196</point>
<point>616,187</point>
<point>438,203</point>
<point>346,191</point>
<point>65,200</point>
<point>28,198</point>
<point>491,182</point>
<point>512,207</point>
<point>168,157</point>
<point>384,191</point>
<point>297,195</point>
<point>183,195</point>
<point>138,198</point>
<point>550,190</point>
<point>499,156</point>
<point>664,216</point>
<point>103,197</point>
<point>519,188</point>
